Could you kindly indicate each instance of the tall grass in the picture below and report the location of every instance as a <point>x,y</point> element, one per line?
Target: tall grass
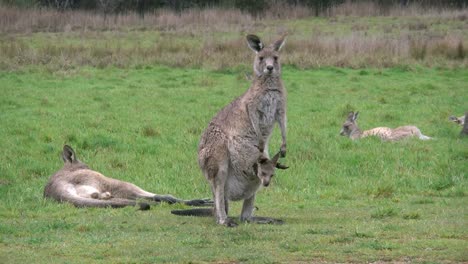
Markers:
<point>214,38</point>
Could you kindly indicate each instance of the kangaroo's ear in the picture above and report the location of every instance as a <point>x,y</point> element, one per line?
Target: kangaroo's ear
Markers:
<point>277,45</point>
<point>355,116</point>
<point>281,166</point>
<point>350,116</point>
<point>254,43</point>
<point>68,154</point>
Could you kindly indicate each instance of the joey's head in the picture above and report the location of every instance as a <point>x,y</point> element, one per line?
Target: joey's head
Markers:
<point>265,168</point>
<point>69,157</point>
<point>350,127</point>
<point>267,62</point>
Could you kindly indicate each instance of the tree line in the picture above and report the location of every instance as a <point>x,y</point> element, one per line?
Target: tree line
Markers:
<point>254,7</point>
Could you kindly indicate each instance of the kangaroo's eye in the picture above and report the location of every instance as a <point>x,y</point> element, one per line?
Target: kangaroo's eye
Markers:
<point>276,58</point>
<point>260,58</point>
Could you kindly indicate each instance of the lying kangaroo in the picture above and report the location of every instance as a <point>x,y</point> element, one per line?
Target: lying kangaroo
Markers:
<point>458,120</point>
<point>77,184</point>
<point>351,130</point>
<point>227,152</point>
<point>259,174</point>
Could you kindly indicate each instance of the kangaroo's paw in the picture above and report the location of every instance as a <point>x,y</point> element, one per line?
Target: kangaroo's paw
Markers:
<point>264,220</point>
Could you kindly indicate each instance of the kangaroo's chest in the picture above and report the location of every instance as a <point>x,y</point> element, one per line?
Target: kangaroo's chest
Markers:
<point>267,111</point>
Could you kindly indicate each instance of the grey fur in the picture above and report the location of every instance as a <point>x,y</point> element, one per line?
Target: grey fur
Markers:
<point>464,131</point>
<point>81,186</point>
<point>227,152</point>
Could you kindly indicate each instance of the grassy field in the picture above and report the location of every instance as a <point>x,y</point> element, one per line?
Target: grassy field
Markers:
<point>342,201</point>
<point>132,97</point>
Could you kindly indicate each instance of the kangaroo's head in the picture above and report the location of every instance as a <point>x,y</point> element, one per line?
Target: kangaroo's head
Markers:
<point>457,120</point>
<point>350,126</point>
<point>265,168</point>
<point>69,157</point>
<point>266,61</point>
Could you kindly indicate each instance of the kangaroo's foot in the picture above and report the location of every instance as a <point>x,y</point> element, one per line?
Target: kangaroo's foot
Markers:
<point>264,220</point>
<point>229,222</point>
<point>165,198</point>
<point>199,202</point>
<point>143,206</point>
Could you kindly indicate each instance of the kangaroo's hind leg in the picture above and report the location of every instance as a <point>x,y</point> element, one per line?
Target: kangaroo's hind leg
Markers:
<point>217,176</point>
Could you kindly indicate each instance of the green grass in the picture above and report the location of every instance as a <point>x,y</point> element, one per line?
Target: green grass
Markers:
<point>342,201</point>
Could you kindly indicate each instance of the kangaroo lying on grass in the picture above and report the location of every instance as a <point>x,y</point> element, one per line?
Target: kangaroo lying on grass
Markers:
<point>245,185</point>
<point>227,152</point>
<point>81,186</point>
<point>351,130</point>
<point>459,120</point>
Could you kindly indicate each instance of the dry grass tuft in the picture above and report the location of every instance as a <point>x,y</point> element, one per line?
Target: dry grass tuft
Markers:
<point>214,38</point>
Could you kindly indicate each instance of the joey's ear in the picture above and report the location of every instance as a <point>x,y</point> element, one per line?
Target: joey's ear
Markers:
<point>262,159</point>
<point>68,154</point>
<point>254,43</point>
<point>281,166</point>
<point>350,116</point>
<point>277,45</point>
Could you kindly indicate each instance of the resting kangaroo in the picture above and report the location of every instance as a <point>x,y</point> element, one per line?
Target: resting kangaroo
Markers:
<point>351,130</point>
<point>458,120</point>
<point>81,186</point>
<point>264,169</point>
<point>227,149</point>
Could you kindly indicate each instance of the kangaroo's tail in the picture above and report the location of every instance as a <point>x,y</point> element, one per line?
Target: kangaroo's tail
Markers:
<point>194,212</point>
<point>79,201</point>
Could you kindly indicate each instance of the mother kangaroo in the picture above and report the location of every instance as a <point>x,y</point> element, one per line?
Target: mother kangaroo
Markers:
<point>228,149</point>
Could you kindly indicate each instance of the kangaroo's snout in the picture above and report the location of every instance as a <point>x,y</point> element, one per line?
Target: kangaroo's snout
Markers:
<point>265,182</point>
<point>270,68</point>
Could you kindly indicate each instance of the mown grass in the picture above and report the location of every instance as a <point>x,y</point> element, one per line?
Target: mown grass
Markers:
<point>342,201</point>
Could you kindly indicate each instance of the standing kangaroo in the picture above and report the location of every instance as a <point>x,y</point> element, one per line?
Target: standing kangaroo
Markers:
<point>351,130</point>
<point>228,147</point>
<point>77,184</point>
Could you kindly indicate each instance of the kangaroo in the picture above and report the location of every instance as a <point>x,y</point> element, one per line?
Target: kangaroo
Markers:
<point>81,186</point>
<point>226,152</point>
<point>264,169</point>
<point>458,120</point>
<point>351,130</point>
